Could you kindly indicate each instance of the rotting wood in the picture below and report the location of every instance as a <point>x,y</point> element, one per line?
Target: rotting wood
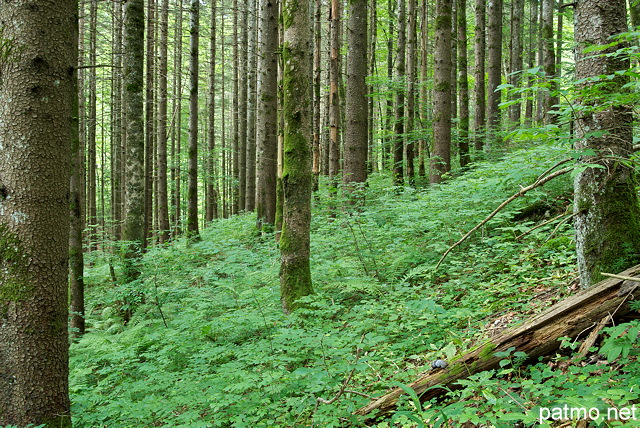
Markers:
<point>571,317</point>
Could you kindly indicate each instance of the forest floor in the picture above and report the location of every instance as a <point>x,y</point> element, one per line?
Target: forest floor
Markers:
<point>209,346</point>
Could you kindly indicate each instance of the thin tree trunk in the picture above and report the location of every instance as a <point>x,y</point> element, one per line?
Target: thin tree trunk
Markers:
<point>399,130</point>
<point>463,84</point>
<point>411,96</point>
<point>334,92</point>
<point>317,84</point>
<point>549,61</point>
<point>163,197</point>
<point>192,190</point>
<point>176,134</point>
<point>211,211</point>
<point>528,110</point>
<point>424,60</point>
<point>242,108</point>
<point>236,114</point>
<point>150,133</point>
<point>117,135</point>
<point>494,66</point>
<point>479,76</point>
<point>515,62</point>
<point>250,201</point>
<point>92,211</point>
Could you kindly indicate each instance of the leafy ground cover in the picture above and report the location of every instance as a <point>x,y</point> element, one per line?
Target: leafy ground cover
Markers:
<point>208,345</point>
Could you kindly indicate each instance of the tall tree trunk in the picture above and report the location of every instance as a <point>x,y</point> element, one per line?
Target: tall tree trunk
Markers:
<point>606,210</point>
<point>92,211</point>
<point>463,84</point>
<point>515,60</point>
<point>424,60</point>
<point>399,131</point>
<point>494,66</point>
<point>117,153</point>
<point>163,197</point>
<point>373,151</point>
<point>356,134</point>
<point>250,202</point>
<point>192,190</point>
<point>531,52</point>
<point>441,159</point>
<point>242,108</point>
<point>411,95</point>
<point>387,154</point>
<point>479,118</point>
<point>267,119</point>
<point>549,56</point>
<point>236,115</point>
<point>176,135</point>
<point>76,210</point>
<point>34,209</point>
<point>149,135</point>
<point>211,211</point>
<point>133,231</point>
<point>295,273</point>
<point>334,91</point>
<point>317,100</point>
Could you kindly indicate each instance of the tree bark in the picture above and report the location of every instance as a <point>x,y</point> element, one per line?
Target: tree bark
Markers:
<point>163,196</point>
<point>149,132</point>
<point>39,62</point>
<point>356,133</point>
<point>295,273</point>
<point>91,198</point>
<point>549,59</point>
<point>211,211</point>
<point>515,60</point>
<point>441,158</point>
<point>176,134</point>
<point>267,120</point>
<point>607,215</point>
<point>133,231</point>
<point>334,91</point>
<point>479,118</point>
<point>463,84</point>
<point>192,190</point>
<point>242,108</point>
<point>494,66</point>
<point>571,317</point>
<point>399,131</point>
<point>411,95</point>
<point>250,202</point>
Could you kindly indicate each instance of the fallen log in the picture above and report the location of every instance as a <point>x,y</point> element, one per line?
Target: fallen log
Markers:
<point>572,317</point>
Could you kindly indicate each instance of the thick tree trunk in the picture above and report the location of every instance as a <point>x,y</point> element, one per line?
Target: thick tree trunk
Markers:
<point>192,190</point>
<point>441,158</point>
<point>479,118</point>
<point>356,134</point>
<point>39,63</point>
<point>606,211</point>
<point>571,317</point>
<point>295,273</point>
<point>267,119</point>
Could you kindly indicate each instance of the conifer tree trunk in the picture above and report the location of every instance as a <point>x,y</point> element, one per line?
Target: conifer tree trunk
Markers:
<point>441,159</point>
<point>133,231</point>
<point>91,199</point>
<point>334,92</point>
<point>479,118</point>
<point>176,137</point>
<point>295,273</point>
<point>515,54</point>
<point>250,201</point>
<point>235,189</point>
<point>242,108</point>
<point>399,130</point>
<point>549,58</point>
<point>267,119</point>
<point>117,126</point>
<point>39,53</point>
<point>212,184</point>
<point>356,133</point>
<point>387,152</point>
<point>463,84</point>
<point>531,52</point>
<point>317,100</point>
<point>150,133</point>
<point>494,66</point>
<point>373,152</point>
<point>411,95</point>
<point>163,197</point>
<point>192,190</point>
<point>424,59</point>
<point>606,210</point>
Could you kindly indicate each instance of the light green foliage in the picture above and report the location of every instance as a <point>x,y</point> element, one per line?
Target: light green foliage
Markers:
<point>229,357</point>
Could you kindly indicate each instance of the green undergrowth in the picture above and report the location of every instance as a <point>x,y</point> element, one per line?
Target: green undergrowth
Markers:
<point>208,345</point>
